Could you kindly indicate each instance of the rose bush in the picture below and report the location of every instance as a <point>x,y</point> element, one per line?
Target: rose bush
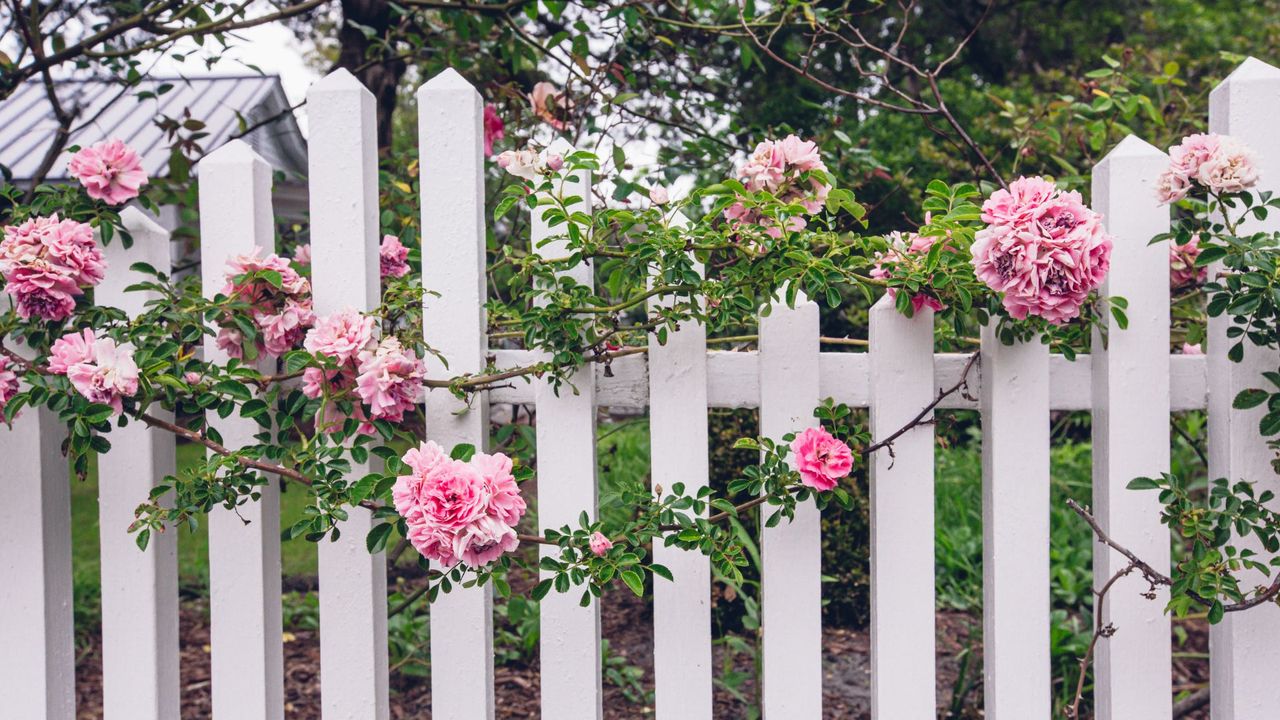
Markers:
<point>331,391</point>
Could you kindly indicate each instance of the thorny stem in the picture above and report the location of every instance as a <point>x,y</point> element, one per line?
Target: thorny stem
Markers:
<point>1100,631</point>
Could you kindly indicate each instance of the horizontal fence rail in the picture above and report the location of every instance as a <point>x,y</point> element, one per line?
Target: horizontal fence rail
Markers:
<point>1130,386</point>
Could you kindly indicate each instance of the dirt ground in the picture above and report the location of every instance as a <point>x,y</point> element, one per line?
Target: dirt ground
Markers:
<point>626,622</point>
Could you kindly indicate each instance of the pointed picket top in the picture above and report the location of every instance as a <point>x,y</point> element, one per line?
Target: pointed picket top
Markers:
<point>139,223</point>
<point>447,80</point>
<point>233,153</point>
<point>1130,147</point>
<point>561,146</point>
<point>1251,71</point>
<point>340,80</point>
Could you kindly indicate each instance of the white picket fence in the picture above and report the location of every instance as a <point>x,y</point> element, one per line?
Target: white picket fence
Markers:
<point>1131,387</point>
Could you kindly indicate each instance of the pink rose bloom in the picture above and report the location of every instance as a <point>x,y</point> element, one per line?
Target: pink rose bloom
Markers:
<point>779,166</point>
<point>902,247</point>
<point>525,164</point>
<point>658,195</point>
<point>494,129</point>
<point>1231,169</point>
<point>71,349</point>
<point>302,255</point>
<point>820,458</point>
<point>1189,349</point>
<point>483,541</point>
<point>283,331</point>
<point>506,504</point>
<point>554,162</point>
<point>41,291</point>
<point>550,104</point>
<point>66,246</point>
<point>392,257</point>
<point>8,382</point>
<point>109,171</point>
<point>231,342</point>
<point>1021,203</point>
<point>801,154</point>
<point>1172,186</point>
<point>1182,263</point>
<point>110,375</point>
<point>341,336</point>
<point>192,378</point>
<point>600,545</point>
<point>1043,252</point>
<point>390,380</point>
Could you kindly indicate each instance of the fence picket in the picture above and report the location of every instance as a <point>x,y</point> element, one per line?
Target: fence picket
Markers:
<point>678,441</point>
<point>244,544</point>
<point>1015,528</point>
<point>566,440</point>
<point>37,666</point>
<point>344,274</point>
<point>1244,647</point>
<point>453,264</point>
<point>791,579</point>
<point>903,651</point>
<point>139,589</point>
<point>1133,676</point>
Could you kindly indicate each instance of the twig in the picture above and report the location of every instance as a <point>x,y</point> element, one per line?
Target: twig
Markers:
<point>1100,631</point>
<point>961,384</point>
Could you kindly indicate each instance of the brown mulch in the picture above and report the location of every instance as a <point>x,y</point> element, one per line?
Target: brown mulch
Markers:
<point>626,623</point>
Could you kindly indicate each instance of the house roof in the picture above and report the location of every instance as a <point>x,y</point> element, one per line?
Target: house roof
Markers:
<point>110,109</point>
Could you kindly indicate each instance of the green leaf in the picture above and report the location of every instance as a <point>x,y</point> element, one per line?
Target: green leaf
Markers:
<point>1216,612</point>
<point>463,452</point>
<point>1250,398</point>
<point>634,581</point>
<point>233,388</point>
<point>1143,483</point>
<point>376,540</point>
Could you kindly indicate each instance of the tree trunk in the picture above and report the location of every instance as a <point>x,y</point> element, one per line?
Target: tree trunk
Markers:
<point>381,76</point>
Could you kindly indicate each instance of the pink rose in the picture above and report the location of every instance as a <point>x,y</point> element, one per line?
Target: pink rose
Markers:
<point>1218,163</point>
<point>483,541</point>
<point>231,342</point>
<point>1182,263</point>
<point>494,129</point>
<point>1189,349</point>
<point>341,336</point>
<point>820,458</point>
<point>658,195</point>
<point>42,292</point>
<point>550,104</point>
<point>108,376</point>
<point>505,503</point>
<point>109,171</point>
<point>8,382</point>
<point>1021,203</point>
<point>554,162</point>
<point>600,545</point>
<point>392,257</point>
<point>193,378</point>
<point>1043,251</point>
<point>71,349</point>
<point>390,380</point>
<point>283,331</point>
<point>302,255</point>
<point>780,167</point>
<point>1231,169</point>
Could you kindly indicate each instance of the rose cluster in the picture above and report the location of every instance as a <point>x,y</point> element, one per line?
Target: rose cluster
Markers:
<point>1217,163</point>
<point>109,171</point>
<point>904,247</point>
<point>279,300</point>
<point>48,262</point>
<point>459,511</point>
<point>1043,249</point>
<point>384,375</point>
<point>98,369</point>
<point>786,169</point>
